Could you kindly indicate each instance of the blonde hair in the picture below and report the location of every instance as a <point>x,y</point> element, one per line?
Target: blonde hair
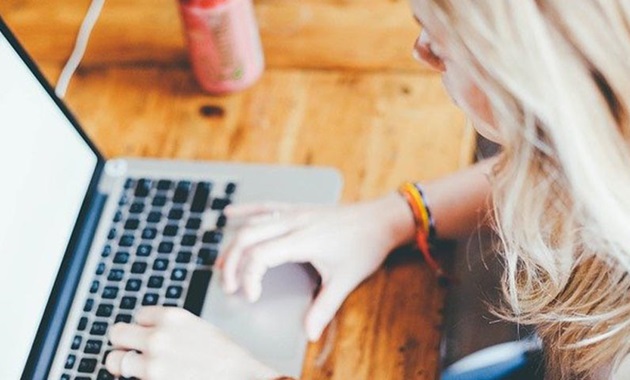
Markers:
<point>557,77</point>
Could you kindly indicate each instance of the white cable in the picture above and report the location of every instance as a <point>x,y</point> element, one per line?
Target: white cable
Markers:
<point>79,47</point>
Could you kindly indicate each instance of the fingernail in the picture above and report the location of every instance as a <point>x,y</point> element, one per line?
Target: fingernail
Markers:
<point>228,288</point>
<point>219,263</point>
<point>313,335</point>
<point>313,332</point>
<point>254,294</point>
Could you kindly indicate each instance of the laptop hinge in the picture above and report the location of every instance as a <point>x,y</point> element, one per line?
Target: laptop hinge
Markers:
<point>52,324</point>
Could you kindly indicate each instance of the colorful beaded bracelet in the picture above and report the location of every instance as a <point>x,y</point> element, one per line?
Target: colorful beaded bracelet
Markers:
<point>425,224</point>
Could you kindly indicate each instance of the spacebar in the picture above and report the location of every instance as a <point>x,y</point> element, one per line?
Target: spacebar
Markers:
<point>197,289</point>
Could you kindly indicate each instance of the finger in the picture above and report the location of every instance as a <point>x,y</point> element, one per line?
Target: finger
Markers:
<point>251,209</point>
<point>150,315</point>
<point>244,239</point>
<point>324,308</point>
<point>129,336</point>
<point>267,255</point>
<point>127,364</point>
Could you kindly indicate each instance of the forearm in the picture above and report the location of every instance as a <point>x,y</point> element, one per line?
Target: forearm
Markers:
<point>459,204</point>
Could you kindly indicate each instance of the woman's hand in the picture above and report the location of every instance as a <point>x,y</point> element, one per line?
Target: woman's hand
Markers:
<point>345,244</point>
<point>175,344</point>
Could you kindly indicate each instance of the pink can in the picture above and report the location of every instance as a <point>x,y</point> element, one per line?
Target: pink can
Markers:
<point>223,43</point>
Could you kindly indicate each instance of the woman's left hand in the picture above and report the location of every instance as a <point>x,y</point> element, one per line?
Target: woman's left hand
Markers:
<point>171,343</point>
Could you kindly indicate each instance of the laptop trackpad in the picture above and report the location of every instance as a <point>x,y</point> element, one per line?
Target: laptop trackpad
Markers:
<point>272,328</point>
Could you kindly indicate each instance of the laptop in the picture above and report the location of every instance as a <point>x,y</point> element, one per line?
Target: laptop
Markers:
<point>86,241</point>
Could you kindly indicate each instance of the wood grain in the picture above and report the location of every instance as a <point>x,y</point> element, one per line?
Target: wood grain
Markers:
<point>307,34</point>
<point>340,90</point>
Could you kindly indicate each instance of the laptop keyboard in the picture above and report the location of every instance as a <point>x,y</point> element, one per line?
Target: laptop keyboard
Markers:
<point>162,243</point>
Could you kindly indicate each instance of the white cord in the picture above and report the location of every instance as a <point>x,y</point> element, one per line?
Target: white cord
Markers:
<point>79,47</point>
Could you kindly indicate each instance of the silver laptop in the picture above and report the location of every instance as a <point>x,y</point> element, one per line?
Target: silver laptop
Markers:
<point>86,241</point>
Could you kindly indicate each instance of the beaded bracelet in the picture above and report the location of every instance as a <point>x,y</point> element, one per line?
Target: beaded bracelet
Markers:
<point>425,224</point>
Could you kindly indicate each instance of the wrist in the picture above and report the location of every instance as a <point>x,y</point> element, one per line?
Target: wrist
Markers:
<point>398,219</point>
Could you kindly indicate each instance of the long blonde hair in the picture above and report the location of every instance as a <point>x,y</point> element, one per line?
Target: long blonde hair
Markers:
<point>557,76</point>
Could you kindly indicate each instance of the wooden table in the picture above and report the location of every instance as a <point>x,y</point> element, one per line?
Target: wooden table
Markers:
<point>340,89</point>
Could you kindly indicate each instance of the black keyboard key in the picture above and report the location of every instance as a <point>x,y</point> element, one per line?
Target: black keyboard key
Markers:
<point>174,292</point>
<point>165,247</point>
<point>220,203</point>
<point>128,303</point>
<point>126,241</point>
<point>149,233</point>
<point>150,299</point>
<point>154,217</point>
<point>126,318</point>
<point>64,376</point>
<point>89,305</point>
<point>182,192</point>
<point>121,258</point>
<point>170,230</point>
<point>116,275</point>
<point>207,256</point>
<point>200,198</point>
<point>129,183</point>
<point>112,234</point>
<point>155,282</point>
<point>133,285</point>
<point>169,304</point>
<point>70,360</point>
<point>183,257</point>
<point>158,201</point>
<point>136,208</point>
<point>76,342</point>
<point>143,188</point>
<point>230,188</point>
<point>178,274</point>
<point>144,250</point>
<point>110,292</point>
<point>104,310</point>
<point>189,240</point>
<point>212,237</point>
<point>193,223</point>
<point>99,328</point>
<point>138,267</point>
<point>118,216</point>
<point>124,199</point>
<point>107,250</point>
<point>221,221</point>
<point>160,265</point>
<point>132,224</point>
<point>100,269</point>
<point>82,324</point>
<point>104,375</point>
<point>176,214</point>
<point>186,184</point>
<point>164,184</point>
<point>94,287</point>
<point>87,365</point>
<point>197,289</point>
<point>93,347</point>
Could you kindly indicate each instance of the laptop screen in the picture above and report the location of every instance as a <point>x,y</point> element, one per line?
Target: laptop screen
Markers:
<point>46,168</point>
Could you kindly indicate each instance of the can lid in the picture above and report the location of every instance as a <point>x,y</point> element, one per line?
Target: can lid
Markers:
<point>202,3</point>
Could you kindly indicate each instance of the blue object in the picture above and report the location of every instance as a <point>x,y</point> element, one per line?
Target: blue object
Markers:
<point>506,361</point>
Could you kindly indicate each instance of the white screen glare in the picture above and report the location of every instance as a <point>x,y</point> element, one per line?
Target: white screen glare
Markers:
<point>46,168</point>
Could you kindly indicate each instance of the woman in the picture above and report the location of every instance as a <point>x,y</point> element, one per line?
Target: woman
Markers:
<point>550,81</point>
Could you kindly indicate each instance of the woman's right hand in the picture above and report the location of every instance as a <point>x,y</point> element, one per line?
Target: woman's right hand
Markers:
<point>345,244</point>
